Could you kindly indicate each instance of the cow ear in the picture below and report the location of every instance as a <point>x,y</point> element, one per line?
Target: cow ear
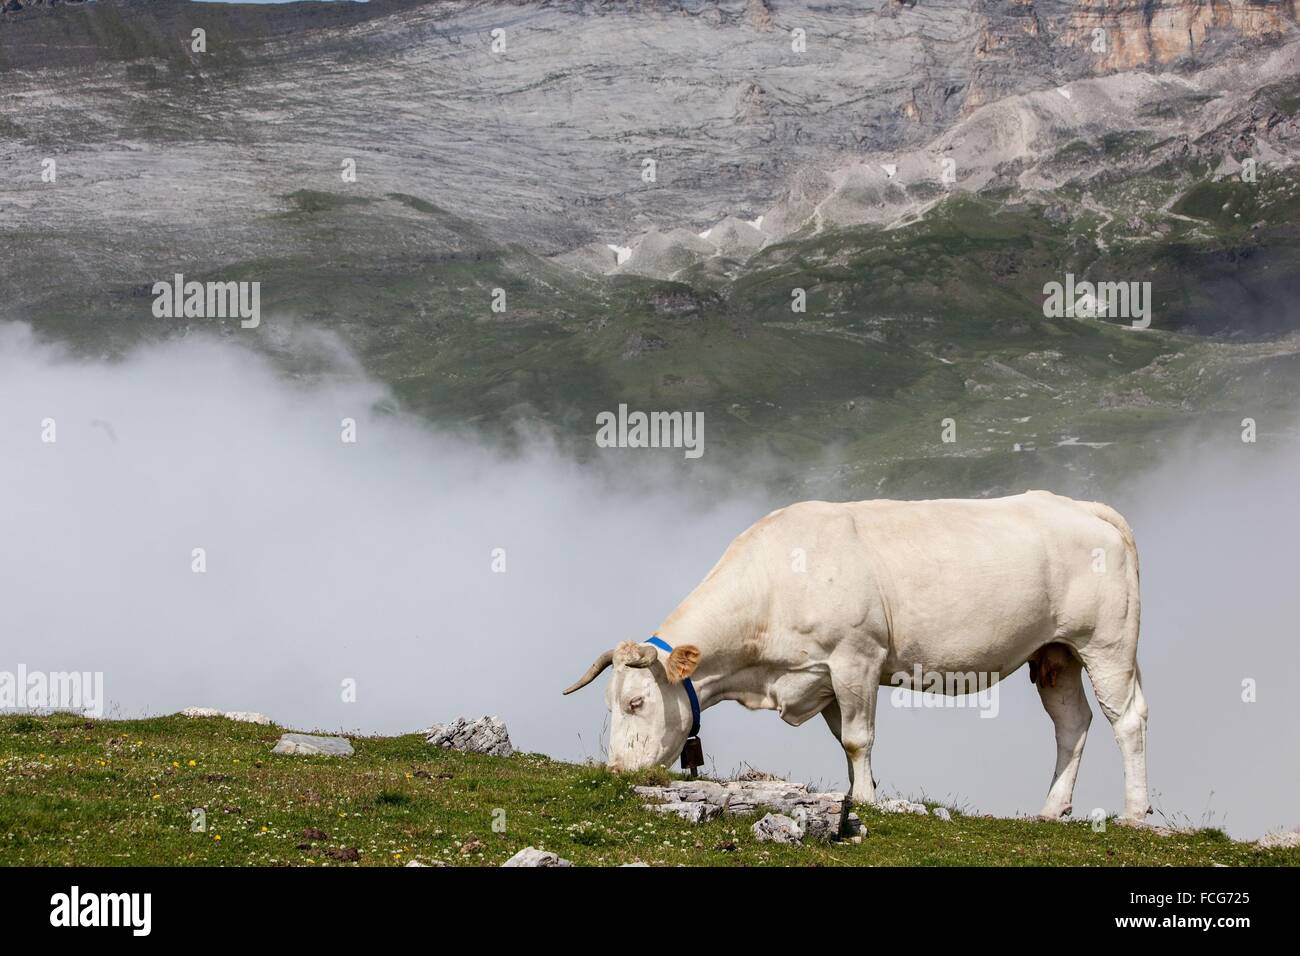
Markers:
<point>682,662</point>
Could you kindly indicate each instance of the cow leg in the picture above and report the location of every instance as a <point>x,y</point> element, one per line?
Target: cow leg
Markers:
<point>856,703</point>
<point>1060,686</point>
<point>831,713</point>
<point>1118,685</point>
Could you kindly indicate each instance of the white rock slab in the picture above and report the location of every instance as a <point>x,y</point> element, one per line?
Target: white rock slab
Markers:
<point>305,744</point>
<point>200,712</point>
<point>243,716</point>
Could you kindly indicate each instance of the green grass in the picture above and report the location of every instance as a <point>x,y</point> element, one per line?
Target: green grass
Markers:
<point>111,793</point>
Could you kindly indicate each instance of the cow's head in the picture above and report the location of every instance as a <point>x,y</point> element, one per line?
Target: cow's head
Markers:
<point>650,714</point>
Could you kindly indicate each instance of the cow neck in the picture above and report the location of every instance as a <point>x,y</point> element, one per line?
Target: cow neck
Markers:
<point>715,676</point>
<point>718,630</point>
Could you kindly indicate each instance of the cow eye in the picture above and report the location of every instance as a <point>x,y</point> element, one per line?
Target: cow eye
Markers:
<point>634,703</point>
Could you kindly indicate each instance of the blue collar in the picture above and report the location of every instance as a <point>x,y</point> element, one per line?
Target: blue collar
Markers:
<point>686,682</point>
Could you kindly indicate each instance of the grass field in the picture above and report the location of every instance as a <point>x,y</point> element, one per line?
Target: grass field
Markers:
<point>110,793</point>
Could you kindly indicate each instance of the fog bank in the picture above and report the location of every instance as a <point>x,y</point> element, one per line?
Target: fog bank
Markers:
<point>329,561</point>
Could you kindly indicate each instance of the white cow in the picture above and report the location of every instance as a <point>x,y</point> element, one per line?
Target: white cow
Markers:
<point>819,604</point>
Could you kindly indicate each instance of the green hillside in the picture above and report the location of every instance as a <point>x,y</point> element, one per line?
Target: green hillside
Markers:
<point>113,793</point>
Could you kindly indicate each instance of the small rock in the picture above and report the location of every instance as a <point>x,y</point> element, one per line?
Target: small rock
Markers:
<point>940,813</point>
<point>309,744</point>
<point>531,856</point>
<point>416,863</point>
<point>637,863</point>
<point>348,854</point>
<point>243,716</point>
<point>487,735</point>
<point>777,828</point>
<point>200,712</point>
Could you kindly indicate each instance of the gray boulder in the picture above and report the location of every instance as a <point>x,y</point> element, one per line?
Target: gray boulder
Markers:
<point>308,744</point>
<point>531,856</point>
<point>487,735</point>
<point>777,828</point>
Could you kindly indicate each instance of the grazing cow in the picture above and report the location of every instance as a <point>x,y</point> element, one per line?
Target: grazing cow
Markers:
<point>819,604</point>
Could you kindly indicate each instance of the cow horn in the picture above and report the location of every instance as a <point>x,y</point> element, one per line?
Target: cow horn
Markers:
<point>634,654</point>
<point>603,661</point>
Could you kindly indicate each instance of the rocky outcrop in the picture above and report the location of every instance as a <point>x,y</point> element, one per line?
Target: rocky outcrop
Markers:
<point>540,143</point>
<point>819,815</point>
<point>1127,34</point>
<point>757,139</point>
<point>486,735</point>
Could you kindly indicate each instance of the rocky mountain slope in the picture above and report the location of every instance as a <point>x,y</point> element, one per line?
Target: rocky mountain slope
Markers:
<point>649,183</point>
<point>543,139</point>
